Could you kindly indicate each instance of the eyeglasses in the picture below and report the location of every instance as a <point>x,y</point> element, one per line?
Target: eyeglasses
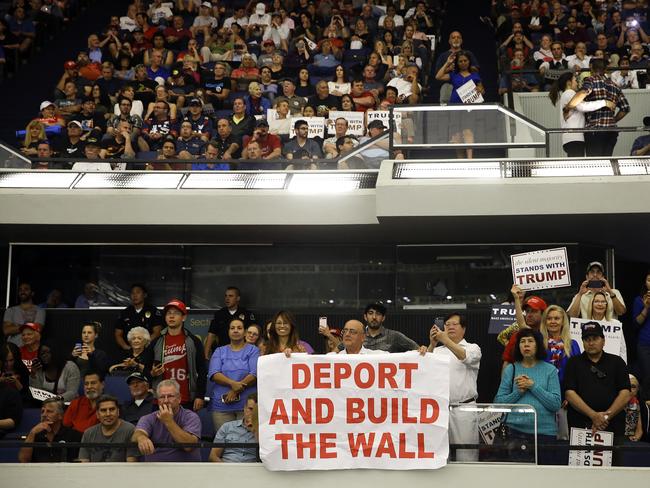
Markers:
<point>599,374</point>
<point>350,331</point>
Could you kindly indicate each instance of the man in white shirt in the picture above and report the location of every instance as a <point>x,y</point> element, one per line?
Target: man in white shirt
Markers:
<point>238,16</point>
<point>464,363</point>
<point>353,336</point>
<point>260,17</point>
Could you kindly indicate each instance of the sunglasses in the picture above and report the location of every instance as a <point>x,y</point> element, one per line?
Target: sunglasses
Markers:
<point>599,374</point>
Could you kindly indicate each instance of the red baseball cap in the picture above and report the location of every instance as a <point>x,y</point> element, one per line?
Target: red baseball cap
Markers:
<point>31,325</point>
<point>176,303</point>
<point>69,65</point>
<point>535,303</point>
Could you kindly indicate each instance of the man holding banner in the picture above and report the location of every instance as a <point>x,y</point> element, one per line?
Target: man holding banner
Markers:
<point>597,387</point>
<point>464,363</point>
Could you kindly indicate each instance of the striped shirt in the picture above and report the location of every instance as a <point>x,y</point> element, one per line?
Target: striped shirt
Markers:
<point>602,88</point>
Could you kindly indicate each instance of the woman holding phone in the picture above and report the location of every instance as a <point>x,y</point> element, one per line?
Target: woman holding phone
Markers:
<point>85,355</point>
<point>233,369</point>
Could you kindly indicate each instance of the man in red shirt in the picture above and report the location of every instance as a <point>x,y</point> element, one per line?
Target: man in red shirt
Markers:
<point>178,355</point>
<point>363,100</point>
<point>81,414</point>
<point>31,335</point>
<point>270,144</point>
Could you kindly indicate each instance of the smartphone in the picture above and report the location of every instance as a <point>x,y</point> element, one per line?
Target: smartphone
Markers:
<point>36,363</point>
<point>77,345</point>
<point>223,399</point>
<point>440,323</point>
<point>631,23</point>
<point>322,322</point>
<point>595,284</point>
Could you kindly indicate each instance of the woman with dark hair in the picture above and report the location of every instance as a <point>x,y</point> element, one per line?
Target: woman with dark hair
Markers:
<point>347,103</point>
<point>530,380</point>
<point>304,88</point>
<point>283,335</point>
<point>53,373</point>
<point>102,100</point>
<point>640,309</point>
<point>572,114</point>
<point>158,41</point>
<point>85,355</point>
<point>340,84</point>
<point>233,369</point>
<point>13,372</point>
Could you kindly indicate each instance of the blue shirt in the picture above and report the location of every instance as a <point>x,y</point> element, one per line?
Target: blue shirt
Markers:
<point>639,143</point>
<point>235,432</point>
<point>236,365</point>
<point>457,81</point>
<point>544,397</point>
<point>637,306</point>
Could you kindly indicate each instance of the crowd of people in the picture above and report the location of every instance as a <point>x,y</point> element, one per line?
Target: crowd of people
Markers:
<point>172,374</point>
<point>214,80</point>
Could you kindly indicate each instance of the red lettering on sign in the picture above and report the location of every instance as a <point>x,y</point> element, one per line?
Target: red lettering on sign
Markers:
<point>360,441</point>
<point>299,382</point>
<point>425,405</point>
<point>422,453</point>
<point>278,413</point>
<point>403,453</point>
<point>386,446</point>
<point>284,440</point>
<point>327,442</point>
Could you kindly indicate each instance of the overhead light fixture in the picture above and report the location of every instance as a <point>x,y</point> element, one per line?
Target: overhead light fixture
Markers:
<point>631,167</point>
<point>158,180</point>
<point>229,180</point>
<point>37,179</point>
<point>447,170</point>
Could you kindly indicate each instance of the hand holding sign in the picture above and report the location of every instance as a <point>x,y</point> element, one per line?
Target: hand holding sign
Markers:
<point>539,270</point>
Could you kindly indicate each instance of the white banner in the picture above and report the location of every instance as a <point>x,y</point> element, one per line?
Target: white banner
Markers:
<point>539,270</point>
<point>469,93</point>
<point>612,330</point>
<point>384,116</point>
<point>40,395</point>
<point>316,126</point>
<point>489,424</point>
<point>594,459</point>
<point>356,123</point>
<point>379,411</point>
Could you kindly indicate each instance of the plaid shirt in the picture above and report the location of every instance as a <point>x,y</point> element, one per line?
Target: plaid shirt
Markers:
<point>603,89</point>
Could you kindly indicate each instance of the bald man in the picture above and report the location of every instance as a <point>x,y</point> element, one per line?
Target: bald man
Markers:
<point>353,334</point>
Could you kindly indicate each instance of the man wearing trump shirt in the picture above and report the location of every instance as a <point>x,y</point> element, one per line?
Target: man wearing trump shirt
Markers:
<point>464,363</point>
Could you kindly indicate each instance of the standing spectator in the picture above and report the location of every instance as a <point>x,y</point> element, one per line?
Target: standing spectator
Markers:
<point>530,381</point>
<point>85,355</point>
<point>171,423</point>
<point>633,422</point>
<point>52,372</point>
<point>595,281</point>
<point>11,403</point>
<point>13,372</point>
<point>17,315</point>
<point>219,324</point>
<point>50,429</point>
<point>139,313</point>
<point>81,414</point>
<point>142,400</point>
<point>533,307</point>
<point>233,368</point>
<point>599,87</point>
<point>379,337</point>
<point>597,387</point>
<point>282,333</point>
<point>551,70</point>
<point>572,117</point>
<point>555,330</point>
<point>178,355</point>
<point>111,429</point>
<point>23,28</point>
<point>464,363</point>
<point>640,309</point>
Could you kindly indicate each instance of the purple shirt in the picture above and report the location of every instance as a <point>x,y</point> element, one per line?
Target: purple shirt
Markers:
<point>187,420</point>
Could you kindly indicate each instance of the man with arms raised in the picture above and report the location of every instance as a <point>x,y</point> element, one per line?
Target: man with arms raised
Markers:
<point>171,423</point>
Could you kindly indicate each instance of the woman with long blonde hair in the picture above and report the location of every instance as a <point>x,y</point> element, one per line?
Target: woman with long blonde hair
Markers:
<point>34,133</point>
<point>555,329</point>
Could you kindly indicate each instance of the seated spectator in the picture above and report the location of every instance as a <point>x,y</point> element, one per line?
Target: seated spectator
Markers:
<point>256,104</point>
<point>31,335</point>
<point>544,53</point>
<point>224,145</point>
<point>580,60</point>
<point>233,369</point>
<point>34,133</point>
<point>406,83</point>
<point>90,70</point>
<point>638,57</point>
<point>624,77</point>
<point>203,22</point>
<point>520,82</point>
<point>54,299</point>
<point>266,58</point>
<point>50,429</point>
<point>119,145</point>
<point>93,124</point>
<point>323,98</point>
<point>166,155</point>
<point>370,82</point>
<point>23,28</point>
<point>11,403</point>
<point>377,152</point>
<point>166,58</point>
<point>269,144</point>
<point>142,399</point>
<point>138,341</point>
<point>516,40</point>
<point>301,150</point>
<point>237,431</point>
<point>107,82</point>
<point>176,35</point>
<point>240,122</point>
<point>363,99</point>
<point>162,95</point>
<point>125,114</point>
<point>247,72</point>
<point>277,66</point>
<point>571,35</point>
<point>641,147</point>
<point>267,84</point>
<point>296,102</point>
<point>13,373</point>
<point>277,32</point>
<point>144,88</point>
<point>85,355</point>
<point>71,145</point>
<point>53,373</point>
<point>81,414</point>
<point>189,145</point>
<point>17,315</point>
<point>110,429</point>
<point>157,128</point>
<point>281,124</point>
<point>91,297</point>
<point>282,333</point>
<point>92,150</point>
<point>171,423</point>
<point>49,115</point>
<point>156,71</point>
<point>128,91</point>
<point>218,87</point>
<point>603,44</point>
<point>530,381</point>
<point>551,70</point>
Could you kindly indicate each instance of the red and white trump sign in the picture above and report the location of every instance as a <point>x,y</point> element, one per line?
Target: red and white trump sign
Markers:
<point>379,411</point>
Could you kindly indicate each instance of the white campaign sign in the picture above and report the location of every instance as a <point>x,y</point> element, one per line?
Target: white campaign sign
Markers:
<point>379,411</point>
<point>316,126</point>
<point>612,330</point>
<point>585,437</point>
<point>384,116</point>
<point>356,122</point>
<point>540,270</point>
<point>469,93</point>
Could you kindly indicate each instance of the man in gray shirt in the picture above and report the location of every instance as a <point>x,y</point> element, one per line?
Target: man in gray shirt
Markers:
<point>111,429</point>
<point>25,311</point>
<point>378,337</point>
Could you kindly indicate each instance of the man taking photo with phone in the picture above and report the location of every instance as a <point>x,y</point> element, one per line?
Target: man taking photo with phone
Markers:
<point>595,281</point>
